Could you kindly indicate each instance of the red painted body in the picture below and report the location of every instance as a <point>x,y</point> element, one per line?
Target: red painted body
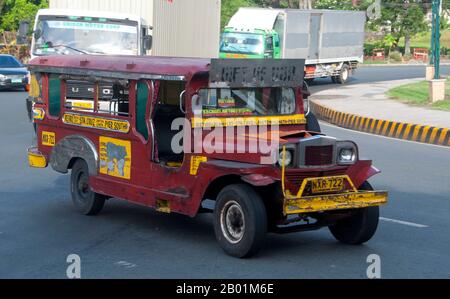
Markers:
<point>151,181</point>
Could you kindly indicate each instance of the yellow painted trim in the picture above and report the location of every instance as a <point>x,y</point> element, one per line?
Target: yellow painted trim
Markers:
<point>351,200</point>
<point>95,122</point>
<point>298,119</point>
<point>36,160</point>
<point>195,164</point>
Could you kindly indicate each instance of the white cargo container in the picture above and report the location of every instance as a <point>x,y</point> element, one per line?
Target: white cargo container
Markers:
<point>331,41</point>
<point>178,27</point>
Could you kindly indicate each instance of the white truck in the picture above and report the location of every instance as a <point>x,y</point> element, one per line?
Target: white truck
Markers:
<point>331,41</point>
<point>178,28</point>
<point>67,32</point>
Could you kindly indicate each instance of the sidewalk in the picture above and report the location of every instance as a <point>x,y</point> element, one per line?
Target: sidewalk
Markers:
<point>365,107</point>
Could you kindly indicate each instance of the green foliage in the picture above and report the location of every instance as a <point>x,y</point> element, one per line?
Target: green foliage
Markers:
<point>15,11</point>
<point>395,56</point>
<point>230,7</point>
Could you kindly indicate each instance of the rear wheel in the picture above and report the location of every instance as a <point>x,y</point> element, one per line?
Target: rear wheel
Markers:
<point>240,220</point>
<point>342,78</point>
<point>360,227</point>
<point>85,200</point>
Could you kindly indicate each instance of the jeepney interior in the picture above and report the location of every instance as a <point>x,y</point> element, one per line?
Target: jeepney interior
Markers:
<point>167,110</point>
<point>113,96</point>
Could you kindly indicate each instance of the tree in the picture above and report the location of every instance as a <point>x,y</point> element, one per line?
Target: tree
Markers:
<point>15,11</point>
<point>403,20</point>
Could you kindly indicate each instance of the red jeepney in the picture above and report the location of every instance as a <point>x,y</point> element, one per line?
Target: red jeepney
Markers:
<point>185,136</point>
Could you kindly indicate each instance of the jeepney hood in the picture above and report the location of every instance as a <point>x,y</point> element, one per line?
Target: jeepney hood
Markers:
<point>255,148</point>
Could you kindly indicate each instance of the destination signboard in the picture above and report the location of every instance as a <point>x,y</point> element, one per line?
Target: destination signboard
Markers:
<point>236,73</point>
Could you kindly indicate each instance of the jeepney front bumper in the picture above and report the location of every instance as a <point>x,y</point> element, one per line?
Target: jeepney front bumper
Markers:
<point>343,200</point>
<point>331,202</point>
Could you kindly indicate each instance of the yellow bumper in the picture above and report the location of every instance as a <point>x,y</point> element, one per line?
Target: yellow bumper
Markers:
<point>36,159</point>
<point>344,201</point>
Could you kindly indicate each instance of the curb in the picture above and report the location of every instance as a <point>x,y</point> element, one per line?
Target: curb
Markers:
<point>398,130</point>
<point>361,65</point>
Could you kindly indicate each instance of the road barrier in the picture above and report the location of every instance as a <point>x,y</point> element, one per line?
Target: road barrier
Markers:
<point>393,129</point>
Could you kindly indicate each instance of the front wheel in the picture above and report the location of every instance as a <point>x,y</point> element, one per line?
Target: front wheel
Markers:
<point>240,220</point>
<point>85,200</point>
<point>360,227</point>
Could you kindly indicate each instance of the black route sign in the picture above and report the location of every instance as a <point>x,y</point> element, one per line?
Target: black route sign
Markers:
<point>257,72</point>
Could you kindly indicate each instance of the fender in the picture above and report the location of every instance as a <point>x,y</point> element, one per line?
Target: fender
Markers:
<point>71,147</point>
<point>361,172</point>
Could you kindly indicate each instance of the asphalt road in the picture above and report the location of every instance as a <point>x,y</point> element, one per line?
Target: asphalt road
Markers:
<point>365,74</point>
<point>39,227</point>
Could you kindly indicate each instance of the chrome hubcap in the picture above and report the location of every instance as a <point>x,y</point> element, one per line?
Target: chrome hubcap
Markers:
<point>232,222</point>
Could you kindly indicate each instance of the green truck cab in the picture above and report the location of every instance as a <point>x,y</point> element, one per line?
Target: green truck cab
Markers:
<point>255,43</point>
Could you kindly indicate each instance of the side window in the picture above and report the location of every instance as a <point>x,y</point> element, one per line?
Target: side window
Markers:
<point>113,97</point>
<point>142,102</point>
<point>54,96</point>
<point>169,92</point>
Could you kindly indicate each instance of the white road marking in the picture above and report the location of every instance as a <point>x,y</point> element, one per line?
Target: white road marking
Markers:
<point>126,264</point>
<point>404,222</point>
<point>381,136</point>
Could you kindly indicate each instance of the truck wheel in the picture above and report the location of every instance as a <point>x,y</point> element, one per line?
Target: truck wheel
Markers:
<point>312,123</point>
<point>344,75</point>
<point>360,227</point>
<point>240,220</point>
<point>85,200</point>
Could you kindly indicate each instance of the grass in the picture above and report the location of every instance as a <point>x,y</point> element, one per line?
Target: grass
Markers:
<point>424,40</point>
<point>417,94</point>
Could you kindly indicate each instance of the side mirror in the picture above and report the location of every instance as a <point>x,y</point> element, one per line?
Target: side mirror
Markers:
<point>147,42</point>
<point>37,34</point>
<point>24,28</point>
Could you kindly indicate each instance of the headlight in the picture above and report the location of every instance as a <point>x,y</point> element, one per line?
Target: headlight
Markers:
<point>3,77</point>
<point>347,153</point>
<point>285,157</point>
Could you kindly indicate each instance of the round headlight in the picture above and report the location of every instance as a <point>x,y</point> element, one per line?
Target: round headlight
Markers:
<point>286,157</point>
<point>347,155</point>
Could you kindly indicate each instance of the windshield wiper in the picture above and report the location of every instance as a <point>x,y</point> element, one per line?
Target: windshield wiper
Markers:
<point>234,48</point>
<point>51,46</point>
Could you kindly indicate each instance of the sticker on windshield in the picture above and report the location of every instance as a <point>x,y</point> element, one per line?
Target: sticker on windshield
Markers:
<point>91,26</point>
<point>227,112</point>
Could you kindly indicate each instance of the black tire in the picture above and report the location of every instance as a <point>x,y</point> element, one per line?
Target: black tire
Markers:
<point>312,123</point>
<point>334,79</point>
<point>344,75</point>
<point>360,227</point>
<point>240,220</point>
<point>85,200</point>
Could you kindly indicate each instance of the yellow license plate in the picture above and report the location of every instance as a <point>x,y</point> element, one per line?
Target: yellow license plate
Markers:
<point>323,185</point>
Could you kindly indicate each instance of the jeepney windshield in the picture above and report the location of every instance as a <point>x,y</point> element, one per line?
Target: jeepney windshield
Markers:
<point>67,35</point>
<point>225,102</point>
<point>242,43</point>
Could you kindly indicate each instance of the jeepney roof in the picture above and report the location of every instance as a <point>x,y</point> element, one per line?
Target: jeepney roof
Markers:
<point>123,67</point>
